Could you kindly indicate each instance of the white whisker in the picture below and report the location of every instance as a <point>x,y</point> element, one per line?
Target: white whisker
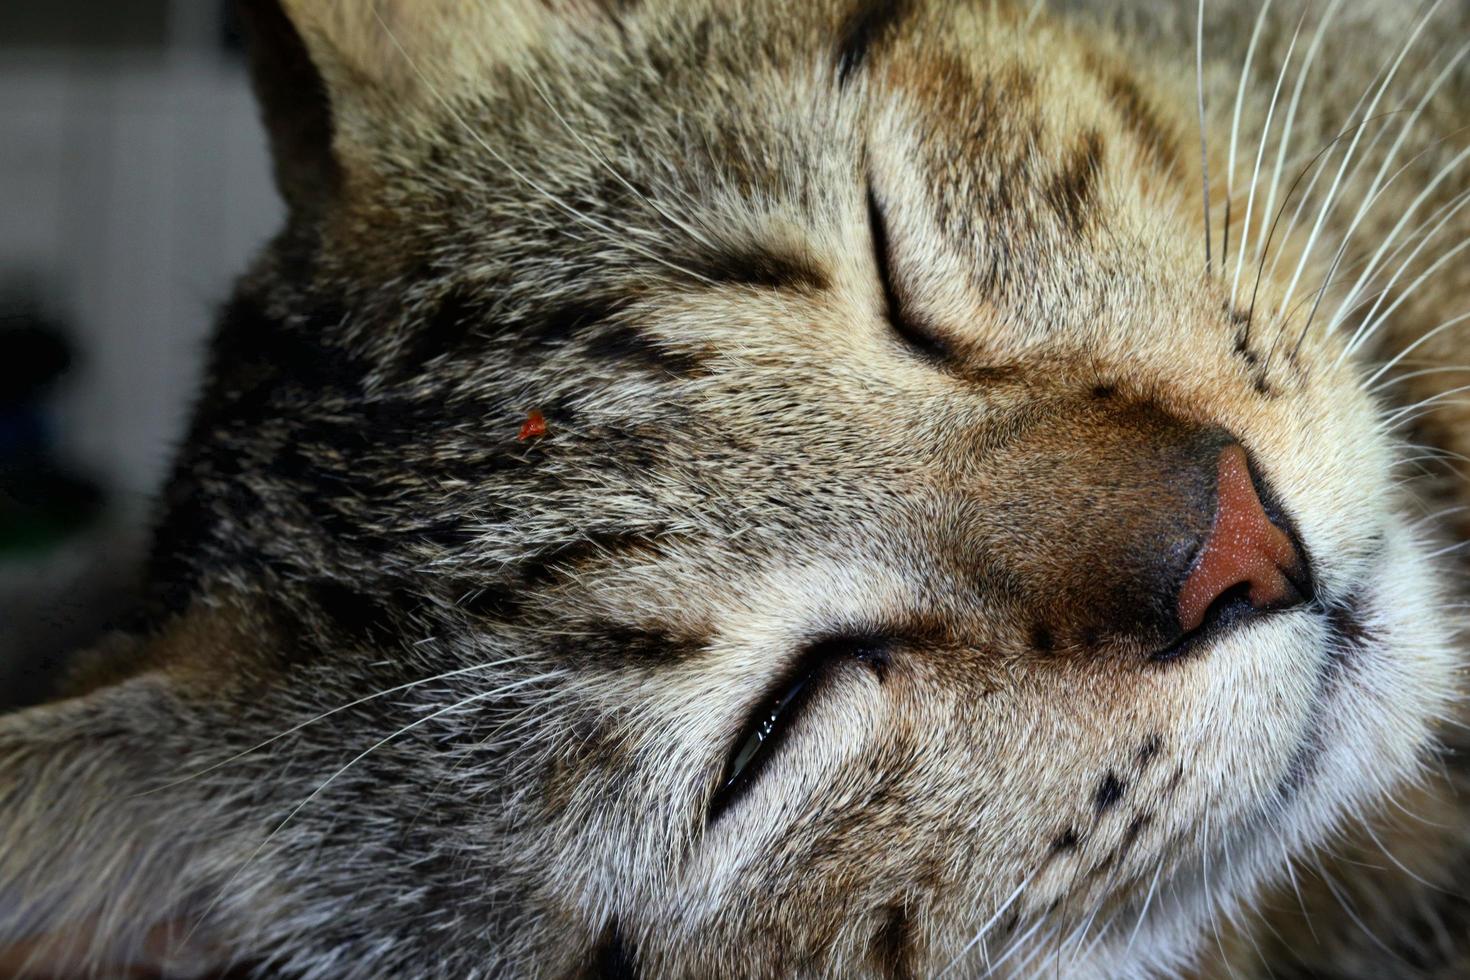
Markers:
<point>990,923</point>
<point>1204,145</point>
<point>327,714</point>
<point>1290,123</point>
<point>322,787</point>
<point>1370,327</point>
<point>1330,203</point>
<point>1250,201</point>
<point>520,175</point>
<point>1245,70</point>
<point>674,221</point>
<point>1423,338</point>
<point>1420,408</point>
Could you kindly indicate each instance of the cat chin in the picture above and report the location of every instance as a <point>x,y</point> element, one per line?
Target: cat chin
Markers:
<point>1388,675</point>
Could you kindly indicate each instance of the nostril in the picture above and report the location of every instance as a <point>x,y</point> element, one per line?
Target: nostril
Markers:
<point>1245,551</point>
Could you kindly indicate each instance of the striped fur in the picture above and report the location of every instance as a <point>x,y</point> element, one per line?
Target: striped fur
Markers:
<point>625,366</point>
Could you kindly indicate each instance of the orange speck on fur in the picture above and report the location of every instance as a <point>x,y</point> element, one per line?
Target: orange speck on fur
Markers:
<point>534,427</point>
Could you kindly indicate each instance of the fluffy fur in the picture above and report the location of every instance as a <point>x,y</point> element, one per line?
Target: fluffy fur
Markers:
<point>569,418</point>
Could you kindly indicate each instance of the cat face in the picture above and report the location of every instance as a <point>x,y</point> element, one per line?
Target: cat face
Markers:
<point>735,489</point>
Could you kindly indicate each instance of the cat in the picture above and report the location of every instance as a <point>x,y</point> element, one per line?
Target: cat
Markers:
<point>889,488</point>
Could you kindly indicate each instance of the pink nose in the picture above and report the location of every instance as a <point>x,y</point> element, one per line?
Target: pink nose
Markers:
<point>1244,548</point>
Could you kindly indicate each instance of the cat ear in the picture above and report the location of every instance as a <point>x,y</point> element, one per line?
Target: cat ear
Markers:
<point>294,106</point>
<point>333,75</point>
<point>98,875</point>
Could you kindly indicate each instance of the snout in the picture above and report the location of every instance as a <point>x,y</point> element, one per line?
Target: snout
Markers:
<point>1132,532</point>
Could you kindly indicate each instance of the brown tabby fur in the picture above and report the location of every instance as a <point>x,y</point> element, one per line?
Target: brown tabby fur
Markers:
<point>422,691</point>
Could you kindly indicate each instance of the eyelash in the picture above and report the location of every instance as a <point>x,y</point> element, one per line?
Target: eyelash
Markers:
<point>771,721</point>
<point>916,336</point>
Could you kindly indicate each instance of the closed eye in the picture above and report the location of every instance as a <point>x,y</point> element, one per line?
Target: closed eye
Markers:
<point>919,337</point>
<point>775,715</point>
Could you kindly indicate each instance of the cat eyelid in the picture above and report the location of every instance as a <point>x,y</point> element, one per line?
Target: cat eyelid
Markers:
<point>782,707</point>
<point>917,336</point>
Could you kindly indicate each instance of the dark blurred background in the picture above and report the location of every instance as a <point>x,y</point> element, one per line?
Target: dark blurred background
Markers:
<point>135,188</point>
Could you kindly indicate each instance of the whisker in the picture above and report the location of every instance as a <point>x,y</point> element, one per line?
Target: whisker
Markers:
<point>989,923</point>
<point>1245,70</point>
<point>1015,945</point>
<point>1361,297</point>
<point>327,714</point>
<point>1371,196</point>
<point>1420,408</point>
<point>1330,203</point>
<point>674,221</point>
<point>322,787</point>
<point>1449,549</point>
<point>516,172</point>
<point>1147,901</point>
<point>1204,146</point>
<point>1352,914</point>
<point>1292,107</point>
<point>1374,192</point>
<point>1444,213</point>
<point>1250,201</point>
<point>1300,899</point>
<point>1423,338</point>
<point>1310,168</point>
<point>1370,327</point>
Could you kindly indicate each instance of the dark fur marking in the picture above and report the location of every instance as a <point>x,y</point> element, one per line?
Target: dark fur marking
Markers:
<point>258,364</point>
<point>1109,792</point>
<point>1130,835</point>
<point>760,269</point>
<point>1150,748</point>
<point>616,8</point>
<point>1067,840</point>
<point>1349,634</point>
<point>889,949</point>
<point>257,358</point>
<point>562,323</point>
<point>1103,866</point>
<point>360,615</point>
<point>628,345</point>
<point>1347,626</point>
<point>1071,189</point>
<point>984,373</point>
<point>449,329</point>
<point>633,449</point>
<point>613,958</point>
<point>1243,350</point>
<point>548,564</point>
<point>866,27</point>
<point>497,602</point>
<point>1140,116</point>
<point>625,644</point>
<point>1042,640</point>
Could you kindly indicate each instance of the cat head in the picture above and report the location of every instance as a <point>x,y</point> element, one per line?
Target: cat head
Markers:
<point>747,488</point>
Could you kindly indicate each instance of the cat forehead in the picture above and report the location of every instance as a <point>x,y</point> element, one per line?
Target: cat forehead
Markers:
<point>719,135</point>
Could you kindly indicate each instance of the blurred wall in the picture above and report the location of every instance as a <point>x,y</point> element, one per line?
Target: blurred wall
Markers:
<point>136,187</point>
